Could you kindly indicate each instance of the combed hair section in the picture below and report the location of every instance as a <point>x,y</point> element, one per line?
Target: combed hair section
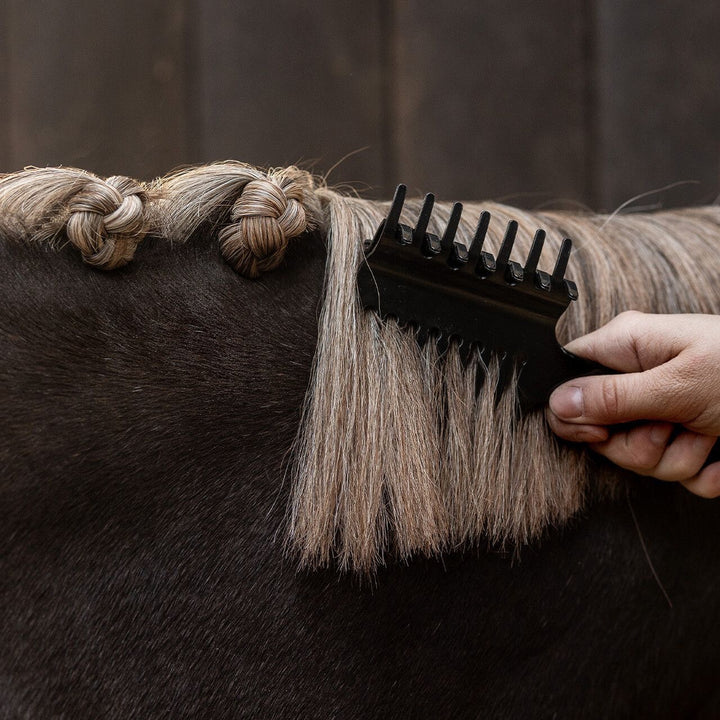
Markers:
<point>398,454</point>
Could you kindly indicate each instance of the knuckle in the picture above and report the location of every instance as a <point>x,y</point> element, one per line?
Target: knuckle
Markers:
<point>686,389</point>
<point>629,317</point>
<point>635,451</point>
<point>700,363</point>
<point>686,467</point>
<point>645,457</point>
<point>609,398</point>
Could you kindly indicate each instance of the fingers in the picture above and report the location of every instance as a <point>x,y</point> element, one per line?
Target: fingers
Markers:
<point>671,367</point>
<point>707,483</point>
<point>656,394</point>
<point>646,450</point>
<point>639,449</point>
<point>669,377</point>
<point>577,433</point>
<point>631,342</point>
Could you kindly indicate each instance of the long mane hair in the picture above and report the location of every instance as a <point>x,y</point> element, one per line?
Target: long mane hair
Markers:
<point>395,455</point>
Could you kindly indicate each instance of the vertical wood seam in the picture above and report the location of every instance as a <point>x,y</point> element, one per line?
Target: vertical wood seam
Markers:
<point>593,183</point>
<point>388,91</point>
<point>7,156</point>
<point>195,141</point>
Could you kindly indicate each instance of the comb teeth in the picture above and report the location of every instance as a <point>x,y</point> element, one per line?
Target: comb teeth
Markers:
<point>423,219</point>
<point>451,228</point>
<point>535,251</point>
<point>459,257</point>
<point>507,245</point>
<point>449,291</point>
<point>393,218</point>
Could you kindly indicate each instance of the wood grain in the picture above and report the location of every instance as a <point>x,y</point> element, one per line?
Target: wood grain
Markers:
<point>658,100</point>
<point>5,73</point>
<point>592,102</point>
<point>285,82</point>
<point>97,85</point>
<point>491,99</point>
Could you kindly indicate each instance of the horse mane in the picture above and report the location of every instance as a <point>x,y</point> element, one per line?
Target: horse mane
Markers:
<point>395,455</point>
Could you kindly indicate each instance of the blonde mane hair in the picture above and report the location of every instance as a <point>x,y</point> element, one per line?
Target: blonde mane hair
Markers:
<point>396,455</point>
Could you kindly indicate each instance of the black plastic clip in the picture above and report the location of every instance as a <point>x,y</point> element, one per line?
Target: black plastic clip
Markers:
<point>465,294</point>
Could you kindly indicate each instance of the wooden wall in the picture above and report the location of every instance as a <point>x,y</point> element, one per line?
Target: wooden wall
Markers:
<point>590,101</point>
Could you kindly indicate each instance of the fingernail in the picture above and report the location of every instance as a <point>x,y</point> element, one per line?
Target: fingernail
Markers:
<point>659,434</point>
<point>704,441</point>
<point>567,402</point>
<point>595,435</point>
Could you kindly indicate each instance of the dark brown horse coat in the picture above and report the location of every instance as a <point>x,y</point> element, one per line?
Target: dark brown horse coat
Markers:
<point>145,416</point>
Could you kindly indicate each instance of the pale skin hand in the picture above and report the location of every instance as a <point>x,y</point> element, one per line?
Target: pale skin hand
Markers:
<point>670,377</point>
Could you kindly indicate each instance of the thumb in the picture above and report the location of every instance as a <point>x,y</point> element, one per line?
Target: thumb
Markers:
<point>631,341</point>
<point>611,399</point>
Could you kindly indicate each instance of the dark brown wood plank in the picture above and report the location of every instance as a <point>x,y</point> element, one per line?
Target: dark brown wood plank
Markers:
<point>658,100</point>
<point>491,99</point>
<point>5,158</point>
<point>286,82</point>
<point>98,85</point>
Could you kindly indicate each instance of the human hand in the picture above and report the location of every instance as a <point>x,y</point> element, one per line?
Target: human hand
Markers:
<point>671,377</point>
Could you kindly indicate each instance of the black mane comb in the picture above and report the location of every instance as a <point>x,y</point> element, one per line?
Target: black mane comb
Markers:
<point>452,292</point>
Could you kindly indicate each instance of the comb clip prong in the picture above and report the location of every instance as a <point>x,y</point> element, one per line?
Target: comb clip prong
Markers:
<point>484,262</point>
<point>423,220</point>
<point>428,243</point>
<point>390,227</point>
<point>451,228</point>
<point>507,245</point>
<point>533,257</point>
<point>562,262</point>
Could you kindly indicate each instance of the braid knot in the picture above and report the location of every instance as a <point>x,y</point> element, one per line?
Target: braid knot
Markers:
<point>106,220</point>
<point>266,216</point>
